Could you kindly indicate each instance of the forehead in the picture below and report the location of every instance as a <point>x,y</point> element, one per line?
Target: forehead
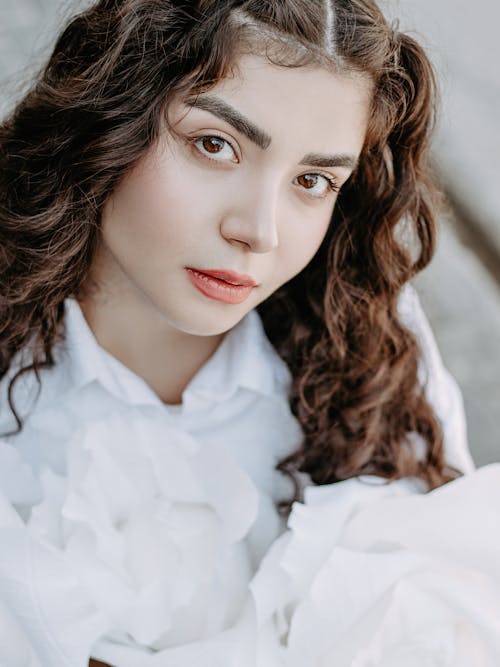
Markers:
<point>309,108</point>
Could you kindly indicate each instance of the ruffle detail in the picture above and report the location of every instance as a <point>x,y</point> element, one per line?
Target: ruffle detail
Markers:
<point>376,575</point>
<point>144,537</point>
<point>141,555</point>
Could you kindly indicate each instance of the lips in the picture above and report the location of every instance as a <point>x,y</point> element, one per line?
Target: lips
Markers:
<point>213,286</point>
<point>228,276</point>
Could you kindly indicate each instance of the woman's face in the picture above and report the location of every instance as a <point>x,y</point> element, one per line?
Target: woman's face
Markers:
<point>247,184</point>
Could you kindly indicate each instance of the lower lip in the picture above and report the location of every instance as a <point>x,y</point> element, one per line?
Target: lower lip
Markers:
<point>218,289</point>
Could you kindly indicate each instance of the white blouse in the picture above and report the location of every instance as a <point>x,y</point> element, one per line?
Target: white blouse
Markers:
<point>130,530</point>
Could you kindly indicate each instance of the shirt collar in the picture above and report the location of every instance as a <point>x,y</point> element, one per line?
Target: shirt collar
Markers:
<point>244,359</point>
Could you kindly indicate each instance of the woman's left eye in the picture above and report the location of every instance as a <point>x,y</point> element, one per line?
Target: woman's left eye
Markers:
<point>318,185</point>
<point>215,148</point>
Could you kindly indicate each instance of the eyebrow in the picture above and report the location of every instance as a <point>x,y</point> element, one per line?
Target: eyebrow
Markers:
<point>334,160</point>
<point>262,139</point>
<point>226,112</point>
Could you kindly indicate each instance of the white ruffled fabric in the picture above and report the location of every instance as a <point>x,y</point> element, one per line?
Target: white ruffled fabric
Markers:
<point>378,575</point>
<point>143,539</point>
<point>367,574</point>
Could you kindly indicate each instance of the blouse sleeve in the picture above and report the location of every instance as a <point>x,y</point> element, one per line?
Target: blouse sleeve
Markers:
<point>441,388</point>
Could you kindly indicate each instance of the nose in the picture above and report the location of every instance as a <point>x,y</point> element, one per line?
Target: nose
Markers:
<point>252,217</point>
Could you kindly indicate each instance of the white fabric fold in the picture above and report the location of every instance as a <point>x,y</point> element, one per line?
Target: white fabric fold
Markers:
<point>143,516</point>
<point>51,618</point>
<point>140,546</point>
<point>15,648</point>
<point>379,575</point>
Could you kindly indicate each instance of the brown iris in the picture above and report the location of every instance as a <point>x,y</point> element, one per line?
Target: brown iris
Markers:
<point>212,144</point>
<point>308,180</point>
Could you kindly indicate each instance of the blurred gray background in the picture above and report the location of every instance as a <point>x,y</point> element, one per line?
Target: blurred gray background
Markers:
<point>460,290</point>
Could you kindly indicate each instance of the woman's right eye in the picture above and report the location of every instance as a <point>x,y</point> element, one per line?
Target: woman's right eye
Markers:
<point>215,148</point>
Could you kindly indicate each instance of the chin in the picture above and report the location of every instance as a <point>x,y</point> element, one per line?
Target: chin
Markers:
<point>203,324</point>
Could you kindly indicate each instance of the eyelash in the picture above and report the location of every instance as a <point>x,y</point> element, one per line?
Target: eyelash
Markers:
<point>332,183</point>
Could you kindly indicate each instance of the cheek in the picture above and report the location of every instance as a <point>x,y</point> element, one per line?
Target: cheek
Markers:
<point>153,210</point>
<point>298,247</point>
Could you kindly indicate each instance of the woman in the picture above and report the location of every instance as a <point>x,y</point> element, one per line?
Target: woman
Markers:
<point>204,296</point>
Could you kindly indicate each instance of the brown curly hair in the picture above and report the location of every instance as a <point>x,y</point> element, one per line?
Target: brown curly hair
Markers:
<point>96,108</point>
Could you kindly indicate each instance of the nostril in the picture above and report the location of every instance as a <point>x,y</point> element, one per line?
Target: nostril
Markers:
<point>254,228</point>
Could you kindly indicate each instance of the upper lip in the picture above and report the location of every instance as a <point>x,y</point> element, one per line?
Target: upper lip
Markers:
<point>229,276</point>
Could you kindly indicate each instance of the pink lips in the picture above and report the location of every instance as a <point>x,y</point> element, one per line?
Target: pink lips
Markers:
<point>222,285</point>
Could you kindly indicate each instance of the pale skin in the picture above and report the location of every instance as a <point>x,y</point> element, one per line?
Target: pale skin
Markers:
<point>220,203</point>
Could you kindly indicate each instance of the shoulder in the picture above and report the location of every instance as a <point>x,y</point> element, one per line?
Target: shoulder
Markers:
<point>431,368</point>
<point>25,388</point>
<point>441,388</point>
<point>22,392</point>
